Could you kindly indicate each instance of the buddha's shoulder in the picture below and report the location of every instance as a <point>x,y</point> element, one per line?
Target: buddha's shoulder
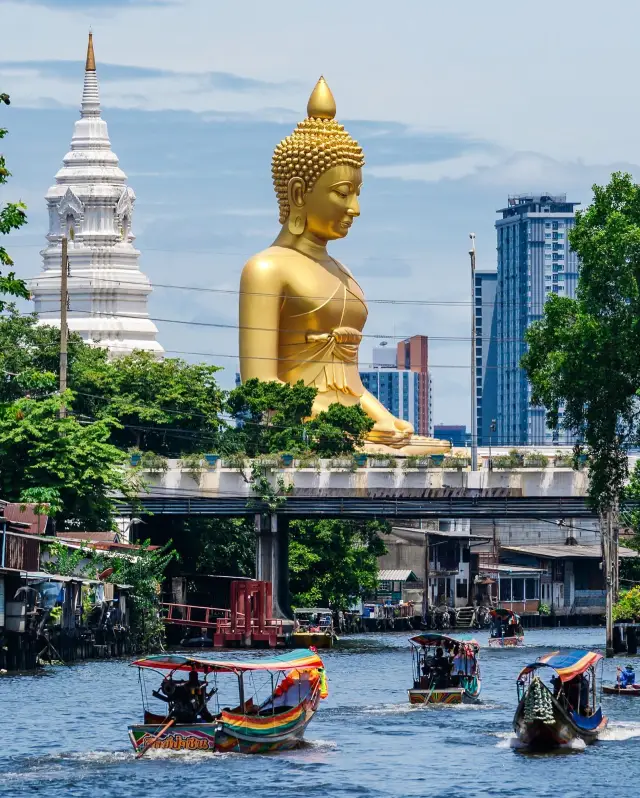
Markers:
<point>273,261</point>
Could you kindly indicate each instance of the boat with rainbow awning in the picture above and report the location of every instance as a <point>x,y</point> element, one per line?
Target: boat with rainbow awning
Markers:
<point>274,699</point>
<point>569,709</point>
<point>445,669</point>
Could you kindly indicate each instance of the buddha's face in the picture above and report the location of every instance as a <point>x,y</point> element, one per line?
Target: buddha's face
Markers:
<point>332,204</point>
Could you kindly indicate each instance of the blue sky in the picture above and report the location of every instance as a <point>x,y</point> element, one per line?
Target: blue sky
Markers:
<point>456,106</point>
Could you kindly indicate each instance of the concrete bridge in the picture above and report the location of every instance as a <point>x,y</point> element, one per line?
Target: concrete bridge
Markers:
<point>334,488</point>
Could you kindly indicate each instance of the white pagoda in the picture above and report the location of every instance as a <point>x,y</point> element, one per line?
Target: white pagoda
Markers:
<point>91,204</point>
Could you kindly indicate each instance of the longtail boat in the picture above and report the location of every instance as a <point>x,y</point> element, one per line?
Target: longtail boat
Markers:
<point>445,669</point>
<point>550,718</point>
<point>506,629</point>
<point>190,722</point>
<point>313,627</point>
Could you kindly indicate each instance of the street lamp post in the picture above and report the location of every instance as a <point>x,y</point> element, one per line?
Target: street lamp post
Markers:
<point>492,429</point>
<point>474,431</point>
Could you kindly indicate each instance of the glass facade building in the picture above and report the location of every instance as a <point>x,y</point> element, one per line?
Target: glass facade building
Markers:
<point>397,390</point>
<point>486,368</point>
<point>534,261</point>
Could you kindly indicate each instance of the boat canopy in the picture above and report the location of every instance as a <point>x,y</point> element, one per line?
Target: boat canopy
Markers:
<point>567,666</point>
<point>313,609</point>
<point>300,659</point>
<point>503,612</point>
<point>436,639</point>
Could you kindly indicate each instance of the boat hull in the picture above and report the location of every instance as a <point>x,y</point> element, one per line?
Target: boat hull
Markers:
<point>565,728</point>
<point>315,639</point>
<point>506,642</point>
<point>245,734</point>
<point>617,690</point>
<point>445,695</point>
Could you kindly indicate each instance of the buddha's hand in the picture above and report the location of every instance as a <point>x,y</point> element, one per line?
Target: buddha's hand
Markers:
<point>341,335</point>
<point>391,431</point>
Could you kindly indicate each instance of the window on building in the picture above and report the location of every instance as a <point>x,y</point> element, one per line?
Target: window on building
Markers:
<point>505,590</point>
<point>532,588</point>
<point>518,589</point>
<point>461,588</point>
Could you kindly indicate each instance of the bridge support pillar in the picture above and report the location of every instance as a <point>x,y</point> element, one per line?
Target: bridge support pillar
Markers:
<point>272,560</point>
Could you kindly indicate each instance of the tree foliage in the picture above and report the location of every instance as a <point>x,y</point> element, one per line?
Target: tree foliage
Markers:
<point>40,450</point>
<point>628,607</point>
<point>12,216</point>
<point>333,562</point>
<point>164,405</point>
<point>276,417</point>
<point>584,354</point>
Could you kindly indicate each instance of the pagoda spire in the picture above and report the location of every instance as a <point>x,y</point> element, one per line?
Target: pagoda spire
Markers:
<point>90,106</point>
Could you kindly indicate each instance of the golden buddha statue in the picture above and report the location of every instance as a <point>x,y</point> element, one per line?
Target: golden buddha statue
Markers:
<point>301,311</point>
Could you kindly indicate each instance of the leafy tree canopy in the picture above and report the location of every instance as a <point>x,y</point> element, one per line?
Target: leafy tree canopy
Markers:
<point>167,406</point>
<point>276,417</point>
<point>584,354</point>
<point>333,562</point>
<point>12,216</point>
<point>71,464</point>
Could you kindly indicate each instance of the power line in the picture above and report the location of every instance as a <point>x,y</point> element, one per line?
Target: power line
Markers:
<point>227,326</point>
<point>202,289</point>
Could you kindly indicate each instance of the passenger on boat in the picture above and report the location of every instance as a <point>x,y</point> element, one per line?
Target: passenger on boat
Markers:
<point>577,690</point>
<point>627,677</point>
<point>442,668</point>
<point>199,697</point>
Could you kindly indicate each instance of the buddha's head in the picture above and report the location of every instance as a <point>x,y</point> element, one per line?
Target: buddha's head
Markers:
<point>317,172</point>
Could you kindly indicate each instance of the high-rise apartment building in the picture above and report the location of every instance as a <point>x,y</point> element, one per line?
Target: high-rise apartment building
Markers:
<point>401,381</point>
<point>486,371</point>
<point>534,260</point>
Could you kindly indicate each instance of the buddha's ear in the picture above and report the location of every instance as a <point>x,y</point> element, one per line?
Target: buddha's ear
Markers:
<point>296,190</point>
<point>297,220</point>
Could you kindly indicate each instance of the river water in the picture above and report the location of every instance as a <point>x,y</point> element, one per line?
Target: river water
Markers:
<point>64,733</point>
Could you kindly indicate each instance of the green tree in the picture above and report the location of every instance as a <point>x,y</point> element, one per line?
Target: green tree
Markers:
<point>333,562</point>
<point>167,406</point>
<point>12,216</point>
<point>269,416</point>
<point>338,430</point>
<point>39,450</point>
<point>276,417</point>
<point>214,546</point>
<point>584,354</point>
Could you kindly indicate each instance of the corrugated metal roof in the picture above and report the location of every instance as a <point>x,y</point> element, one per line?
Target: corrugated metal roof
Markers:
<point>561,551</point>
<point>398,575</point>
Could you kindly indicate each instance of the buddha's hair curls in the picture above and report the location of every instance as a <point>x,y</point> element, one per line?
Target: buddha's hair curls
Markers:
<point>314,146</point>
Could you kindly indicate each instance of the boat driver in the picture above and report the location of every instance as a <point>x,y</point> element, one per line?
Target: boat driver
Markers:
<point>627,677</point>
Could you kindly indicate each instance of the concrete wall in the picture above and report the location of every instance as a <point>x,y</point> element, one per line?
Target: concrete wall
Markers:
<point>218,479</point>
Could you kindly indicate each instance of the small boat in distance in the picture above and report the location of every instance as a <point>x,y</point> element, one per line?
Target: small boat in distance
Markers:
<point>550,718</point>
<point>506,629</point>
<point>445,669</point>
<point>313,627</point>
<point>254,726</point>
<point>625,684</point>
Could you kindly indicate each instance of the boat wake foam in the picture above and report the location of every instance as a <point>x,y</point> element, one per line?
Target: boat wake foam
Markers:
<point>620,730</point>
<point>509,740</point>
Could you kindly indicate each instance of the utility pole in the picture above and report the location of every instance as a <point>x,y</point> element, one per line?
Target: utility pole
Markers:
<point>64,333</point>
<point>425,593</point>
<point>609,532</point>
<point>474,431</point>
<point>492,429</point>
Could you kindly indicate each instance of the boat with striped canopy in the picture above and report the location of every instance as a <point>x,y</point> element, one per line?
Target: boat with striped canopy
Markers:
<point>293,683</point>
<point>569,709</point>
<point>445,669</point>
<point>506,629</point>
